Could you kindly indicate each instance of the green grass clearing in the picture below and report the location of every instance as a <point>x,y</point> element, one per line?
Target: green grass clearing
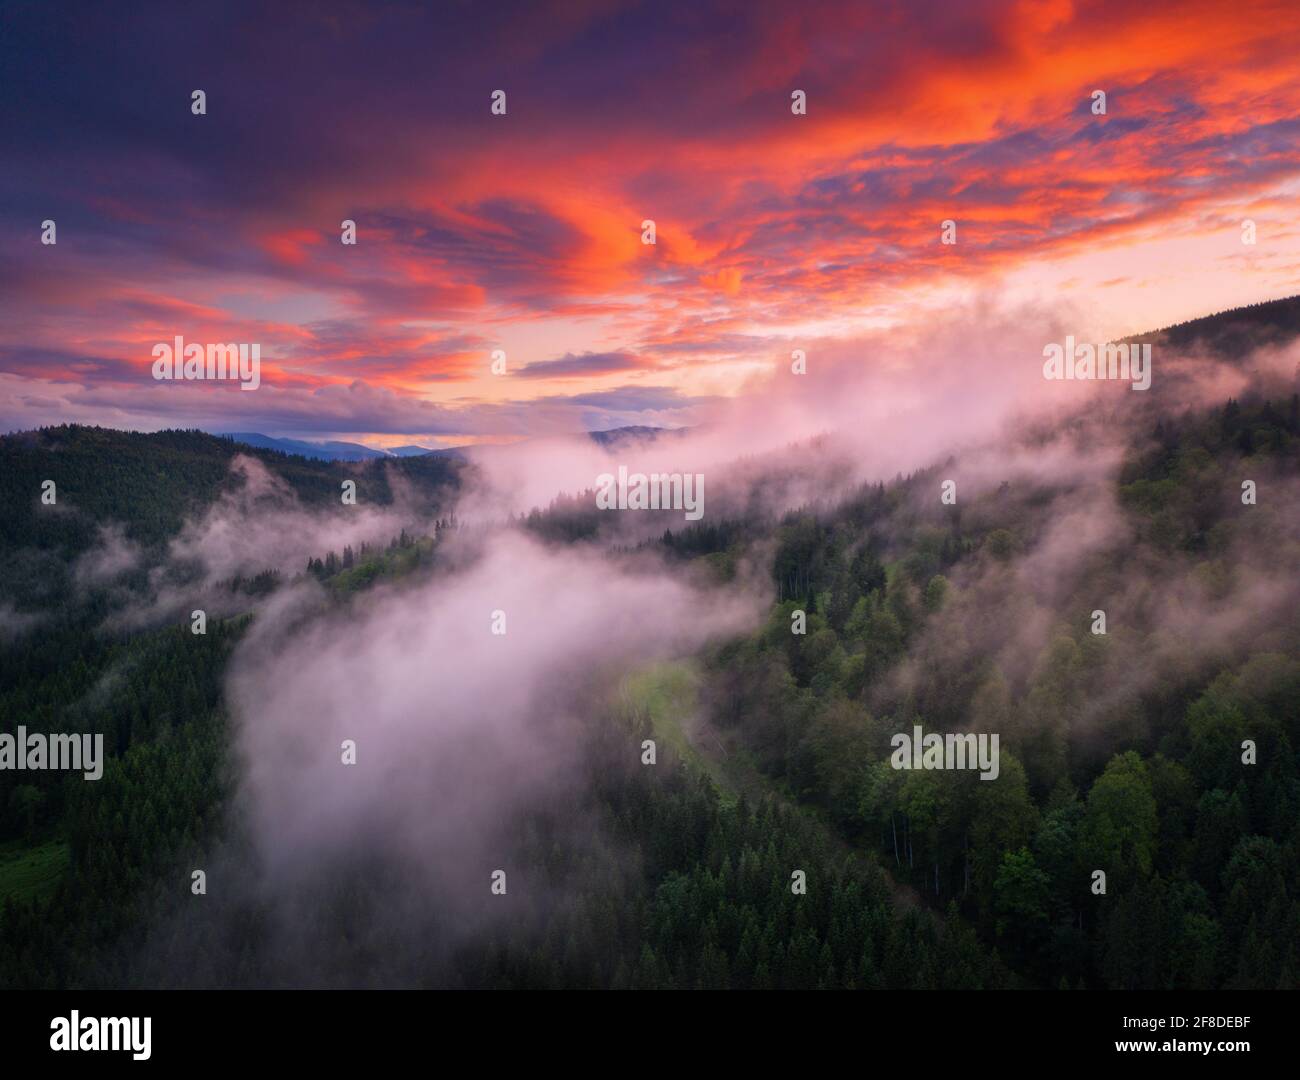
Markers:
<point>31,873</point>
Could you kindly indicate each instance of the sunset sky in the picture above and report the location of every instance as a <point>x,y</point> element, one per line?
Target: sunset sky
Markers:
<point>522,232</point>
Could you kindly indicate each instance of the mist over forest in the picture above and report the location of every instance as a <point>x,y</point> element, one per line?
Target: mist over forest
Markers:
<point>472,731</point>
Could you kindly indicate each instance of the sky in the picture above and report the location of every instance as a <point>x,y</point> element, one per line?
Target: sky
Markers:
<point>523,231</point>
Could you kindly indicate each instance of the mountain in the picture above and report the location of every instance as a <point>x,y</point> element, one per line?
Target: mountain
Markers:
<point>1233,333</point>
<point>610,439</point>
<point>331,450</point>
<point>348,451</point>
<point>620,435</point>
<point>324,451</point>
<point>151,483</point>
<point>409,451</point>
<point>1122,752</point>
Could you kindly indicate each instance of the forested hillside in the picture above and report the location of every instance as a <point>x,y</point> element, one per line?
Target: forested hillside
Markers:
<point>1122,749</point>
<point>705,909</point>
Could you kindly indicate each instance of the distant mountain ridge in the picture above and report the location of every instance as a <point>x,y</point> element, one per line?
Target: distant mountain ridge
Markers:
<point>323,451</point>
<point>349,451</point>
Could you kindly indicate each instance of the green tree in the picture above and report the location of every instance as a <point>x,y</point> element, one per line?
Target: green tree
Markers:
<point>1120,825</point>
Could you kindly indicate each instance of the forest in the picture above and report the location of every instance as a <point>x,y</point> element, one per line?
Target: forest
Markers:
<point>1123,751</point>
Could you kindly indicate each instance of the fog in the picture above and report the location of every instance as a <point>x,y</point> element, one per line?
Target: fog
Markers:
<point>461,733</point>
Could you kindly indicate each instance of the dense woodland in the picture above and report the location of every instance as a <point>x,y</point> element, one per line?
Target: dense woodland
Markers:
<point>1119,751</point>
<point>1201,851</point>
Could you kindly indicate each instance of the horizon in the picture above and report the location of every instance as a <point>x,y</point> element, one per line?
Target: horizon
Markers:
<point>470,442</point>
